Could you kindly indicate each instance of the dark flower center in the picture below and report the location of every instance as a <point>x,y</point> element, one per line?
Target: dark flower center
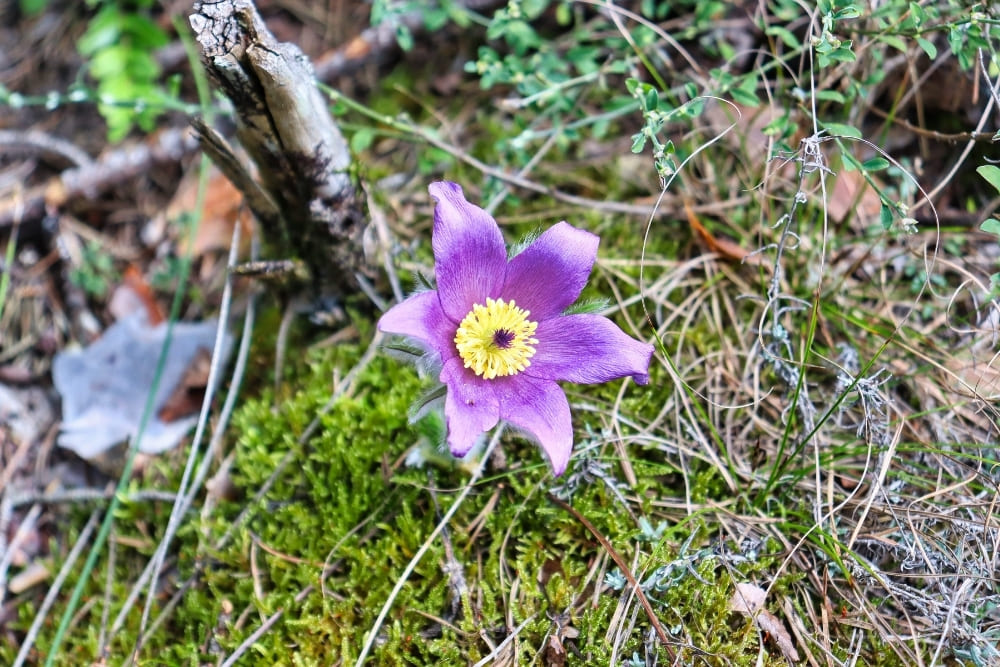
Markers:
<point>503,338</point>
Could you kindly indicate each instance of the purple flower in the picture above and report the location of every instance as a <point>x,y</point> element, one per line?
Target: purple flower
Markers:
<point>498,329</point>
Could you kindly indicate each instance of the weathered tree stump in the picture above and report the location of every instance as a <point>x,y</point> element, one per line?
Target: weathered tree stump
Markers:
<point>306,198</point>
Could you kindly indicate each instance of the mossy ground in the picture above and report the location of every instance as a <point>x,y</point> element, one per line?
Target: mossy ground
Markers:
<point>343,516</point>
<point>295,562</point>
<point>813,426</point>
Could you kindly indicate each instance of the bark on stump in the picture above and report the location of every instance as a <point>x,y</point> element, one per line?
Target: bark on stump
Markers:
<point>306,199</point>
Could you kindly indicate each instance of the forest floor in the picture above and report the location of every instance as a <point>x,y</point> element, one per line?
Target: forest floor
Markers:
<point>796,208</point>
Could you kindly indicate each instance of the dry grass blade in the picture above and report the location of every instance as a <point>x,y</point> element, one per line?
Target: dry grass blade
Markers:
<point>626,571</point>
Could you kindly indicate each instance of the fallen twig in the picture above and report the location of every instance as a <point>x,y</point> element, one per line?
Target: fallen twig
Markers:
<point>90,180</point>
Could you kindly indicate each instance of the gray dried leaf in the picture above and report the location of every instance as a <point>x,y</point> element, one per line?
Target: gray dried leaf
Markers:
<point>105,386</point>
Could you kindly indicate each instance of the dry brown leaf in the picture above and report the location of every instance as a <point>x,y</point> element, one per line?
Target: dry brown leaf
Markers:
<point>105,386</point>
<point>979,376</point>
<point>851,192</point>
<point>555,651</point>
<point>748,123</point>
<point>722,247</point>
<point>357,48</point>
<point>135,281</point>
<point>187,396</point>
<point>223,207</point>
<point>749,600</point>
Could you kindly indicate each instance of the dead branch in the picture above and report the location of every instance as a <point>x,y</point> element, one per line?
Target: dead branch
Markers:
<point>50,147</point>
<point>284,125</point>
<point>94,178</point>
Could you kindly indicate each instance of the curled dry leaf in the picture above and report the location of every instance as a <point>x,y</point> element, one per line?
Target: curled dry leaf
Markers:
<point>749,600</point>
<point>223,209</point>
<point>556,654</point>
<point>722,247</point>
<point>851,194</point>
<point>134,294</point>
<point>974,374</point>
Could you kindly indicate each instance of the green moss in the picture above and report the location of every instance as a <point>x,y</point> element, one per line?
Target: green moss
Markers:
<point>341,518</point>
<point>323,546</point>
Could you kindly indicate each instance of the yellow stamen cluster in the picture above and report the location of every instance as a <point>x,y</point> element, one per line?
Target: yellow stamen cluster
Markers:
<point>495,340</point>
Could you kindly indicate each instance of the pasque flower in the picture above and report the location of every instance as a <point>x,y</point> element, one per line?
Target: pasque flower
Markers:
<point>497,326</point>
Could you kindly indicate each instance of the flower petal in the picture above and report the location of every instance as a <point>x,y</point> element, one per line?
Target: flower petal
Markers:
<point>548,275</point>
<point>469,252</point>
<point>539,407</point>
<point>470,408</point>
<point>588,349</point>
<point>421,317</point>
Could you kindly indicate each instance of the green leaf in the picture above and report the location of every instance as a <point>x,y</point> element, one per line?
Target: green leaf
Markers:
<point>32,7</point>
<point>435,20</point>
<point>693,108</point>
<point>142,68</point>
<point>843,53</point>
<point>785,35</point>
<point>652,100</point>
<point>991,226</point>
<point>404,37</point>
<point>848,12</point>
<point>104,30</point>
<point>617,67</point>
<point>875,164</point>
<point>831,96</point>
<point>842,130</point>
<point>851,163</point>
<point>143,32</point>
<point>991,174</point>
<point>745,97</point>
<point>885,216</point>
<point>519,34</point>
<point>587,307</point>
<point>114,62</point>
<point>532,9</point>
<point>894,41</point>
<point>928,47</point>
<point>638,142</point>
<point>362,139</point>
<point>563,14</point>
<point>779,127</point>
